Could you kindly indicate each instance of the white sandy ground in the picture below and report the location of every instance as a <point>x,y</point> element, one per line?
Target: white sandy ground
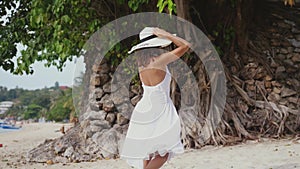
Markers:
<point>267,154</point>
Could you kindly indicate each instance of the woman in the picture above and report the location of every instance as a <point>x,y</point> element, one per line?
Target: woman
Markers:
<point>153,136</point>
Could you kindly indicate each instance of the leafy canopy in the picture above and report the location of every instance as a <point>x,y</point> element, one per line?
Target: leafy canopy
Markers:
<point>54,31</point>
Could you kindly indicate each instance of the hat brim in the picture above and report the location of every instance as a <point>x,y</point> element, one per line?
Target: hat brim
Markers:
<point>155,42</point>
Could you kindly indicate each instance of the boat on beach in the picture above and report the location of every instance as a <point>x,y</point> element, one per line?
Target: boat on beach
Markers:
<point>5,125</point>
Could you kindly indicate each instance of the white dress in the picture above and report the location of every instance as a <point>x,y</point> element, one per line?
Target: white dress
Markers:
<point>154,126</point>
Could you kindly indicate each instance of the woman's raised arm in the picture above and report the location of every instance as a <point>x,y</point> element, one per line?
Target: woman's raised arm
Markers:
<point>182,47</point>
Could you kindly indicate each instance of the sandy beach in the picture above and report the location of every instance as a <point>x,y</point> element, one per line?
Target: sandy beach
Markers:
<point>263,154</point>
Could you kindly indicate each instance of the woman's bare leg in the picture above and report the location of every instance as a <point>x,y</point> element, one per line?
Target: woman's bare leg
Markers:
<point>157,162</point>
<point>146,162</point>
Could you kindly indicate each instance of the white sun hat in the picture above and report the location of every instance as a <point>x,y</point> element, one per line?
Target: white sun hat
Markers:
<point>149,40</point>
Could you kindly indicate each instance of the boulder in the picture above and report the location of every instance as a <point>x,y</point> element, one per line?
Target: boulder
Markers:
<point>108,105</point>
<point>285,92</point>
<point>96,115</point>
<point>111,118</point>
<point>121,120</point>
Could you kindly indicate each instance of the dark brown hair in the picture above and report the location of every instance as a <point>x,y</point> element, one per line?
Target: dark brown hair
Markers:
<point>144,55</point>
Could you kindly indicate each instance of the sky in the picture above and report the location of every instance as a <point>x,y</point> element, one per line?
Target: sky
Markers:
<point>43,76</point>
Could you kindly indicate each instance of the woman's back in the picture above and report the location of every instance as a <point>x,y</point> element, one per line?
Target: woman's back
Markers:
<point>152,76</point>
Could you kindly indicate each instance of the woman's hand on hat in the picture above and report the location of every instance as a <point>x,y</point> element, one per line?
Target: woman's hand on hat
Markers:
<point>161,33</point>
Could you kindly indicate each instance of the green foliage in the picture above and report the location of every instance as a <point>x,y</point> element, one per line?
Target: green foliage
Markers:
<point>16,110</point>
<point>32,112</point>
<point>224,37</point>
<point>9,95</point>
<point>55,104</point>
<point>53,31</point>
<point>233,3</point>
<point>134,4</point>
<point>229,35</point>
<point>62,107</point>
<point>161,4</point>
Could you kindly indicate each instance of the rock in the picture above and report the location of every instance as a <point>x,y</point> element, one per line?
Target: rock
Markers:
<point>121,120</point>
<point>125,109</point>
<point>269,90</point>
<point>60,147</point>
<point>268,84</point>
<point>289,56</point>
<point>295,30</point>
<point>120,96</point>
<point>103,124</point>
<point>90,131</point>
<point>294,100</point>
<point>268,78</point>
<point>285,92</point>
<point>280,69</point>
<point>284,51</point>
<point>296,58</point>
<point>283,102</point>
<point>136,89</point>
<point>108,105</point>
<point>94,105</point>
<point>285,43</point>
<point>274,64</point>
<point>96,115</point>
<point>121,129</point>
<point>273,97</point>
<point>284,25</point>
<point>250,82</point>
<point>108,142</point>
<point>297,50</point>
<point>297,37</point>
<point>294,42</point>
<point>290,22</point>
<point>104,98</point>
<point>99,79</point>
<point>104,68</point>
<point>289,62</point>
<point>276,90</point>
<point>250,87</point>
<point>258,76</point>
<point>103,79</point>
<point>280,56</point>
<point>95,80</point>
<point>59,159</point>
<point>233,69</point>
<point>135,99</point>
<point>276,84</point>
<point>42,153</point>
<point>293,82</point>
<point>118,99</point>
<point>290,49</point>
<point>275,43</point>
<point>291,70</point>
<point>96,68</point>
<point>107,87</point>
<point>84,123</point>
<point>131,94</point>
<point>110,118</point>
<point>69,151</point>
<point>97,93</point>
<point>49,162</point>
